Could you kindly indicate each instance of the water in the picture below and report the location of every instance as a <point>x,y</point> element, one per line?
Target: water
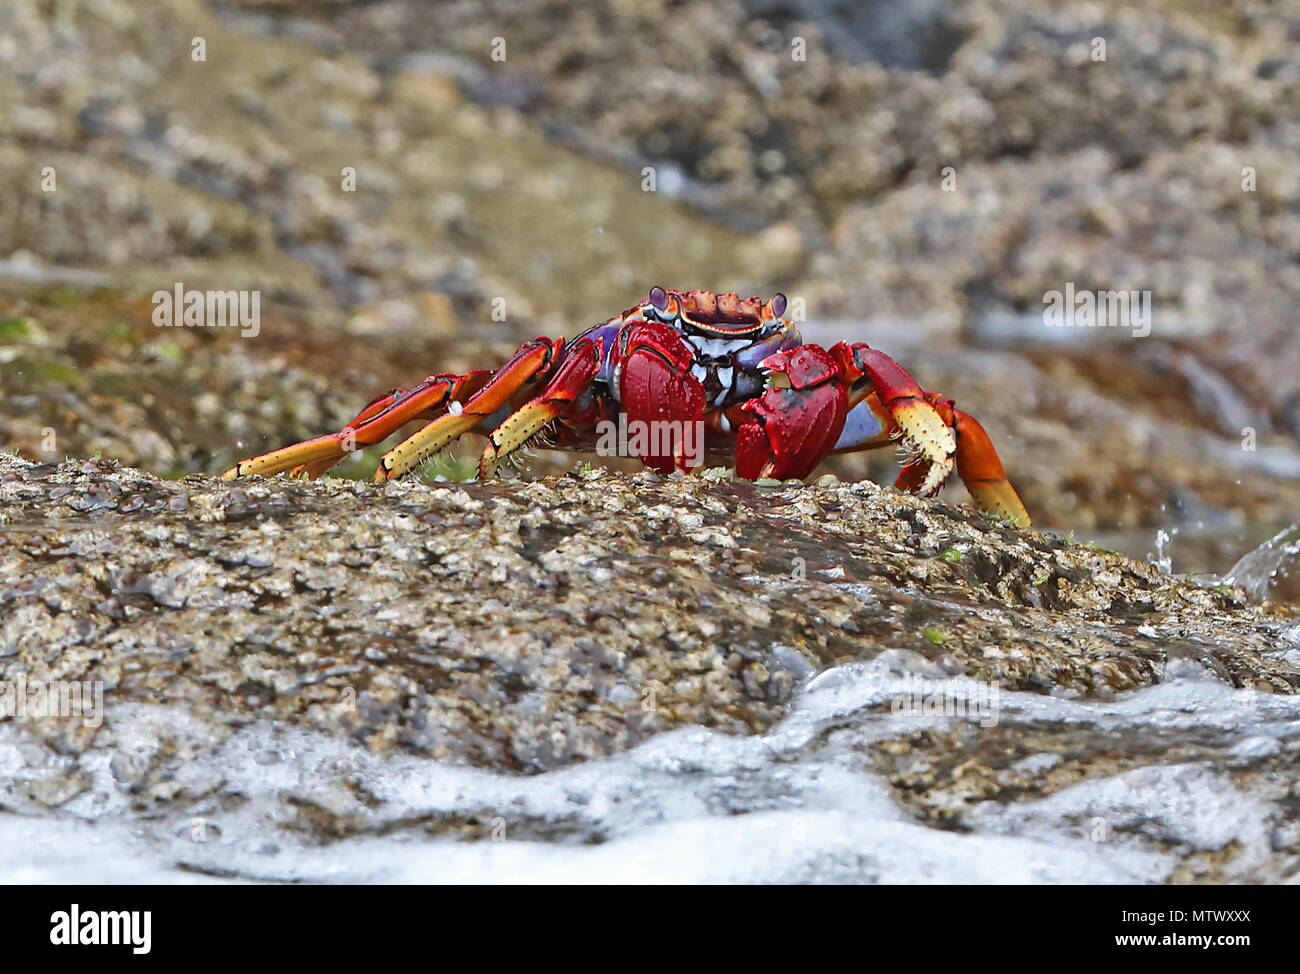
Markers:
<point>1262,569</point>
<point>1265,561</point>
<point>797,804</point>
<point>1163,558</point>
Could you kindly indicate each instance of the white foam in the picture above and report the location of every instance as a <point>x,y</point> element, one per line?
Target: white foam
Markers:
<point>798,804</point>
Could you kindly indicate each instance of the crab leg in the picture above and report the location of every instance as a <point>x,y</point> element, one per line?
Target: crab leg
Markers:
<point>314,469</point>
<point>532,362</point>
<point>941,436</point>
<point>910,409</point>
<point>378,419</point>
<point>808,412</point>
<point>571,380</point>
<point>980,468</point>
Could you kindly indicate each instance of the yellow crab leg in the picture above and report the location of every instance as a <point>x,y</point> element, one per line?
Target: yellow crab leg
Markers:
<point>571,381</point>
<point>532,362</point>
<point>378,419</point>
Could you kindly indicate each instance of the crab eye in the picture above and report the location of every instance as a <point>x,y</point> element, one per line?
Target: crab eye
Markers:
<point>777,305</point>
<point>659,298</point>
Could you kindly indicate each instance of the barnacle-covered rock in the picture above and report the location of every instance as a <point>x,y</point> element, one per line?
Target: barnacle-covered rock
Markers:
<point>526,628</point>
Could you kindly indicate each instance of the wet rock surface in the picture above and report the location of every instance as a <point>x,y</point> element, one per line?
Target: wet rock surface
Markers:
<point>538,628</point>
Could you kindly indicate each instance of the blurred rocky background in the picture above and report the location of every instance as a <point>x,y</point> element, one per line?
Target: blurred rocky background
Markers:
<point>920,173</point>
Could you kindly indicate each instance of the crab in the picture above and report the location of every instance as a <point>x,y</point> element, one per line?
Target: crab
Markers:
<point>693,376</point>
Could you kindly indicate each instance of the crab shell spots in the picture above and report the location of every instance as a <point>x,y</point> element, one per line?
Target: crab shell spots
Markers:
<point>708,308</point>
<point>700,303</point>
<point>720,307</point>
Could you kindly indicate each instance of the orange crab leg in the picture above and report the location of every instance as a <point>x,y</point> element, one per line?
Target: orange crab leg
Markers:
<point>377,420</point>
<point>384,414</point>
<point>571,380</point>
<point>369,411</point>
<point>531,363</point>
<point>981,469</point>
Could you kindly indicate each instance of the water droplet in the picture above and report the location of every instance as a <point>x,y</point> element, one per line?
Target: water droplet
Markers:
<point>1256,570</point>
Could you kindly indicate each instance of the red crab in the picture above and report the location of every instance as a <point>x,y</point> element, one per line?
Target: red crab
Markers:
<point>690,375</point>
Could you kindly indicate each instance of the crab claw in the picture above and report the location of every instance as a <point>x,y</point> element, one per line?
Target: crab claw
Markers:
<point>797,420</point>
<point>661,397</point>
<point>926,436</point>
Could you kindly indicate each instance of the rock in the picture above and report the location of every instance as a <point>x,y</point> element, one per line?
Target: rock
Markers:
<point>530,628</point>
